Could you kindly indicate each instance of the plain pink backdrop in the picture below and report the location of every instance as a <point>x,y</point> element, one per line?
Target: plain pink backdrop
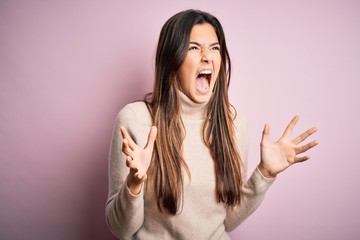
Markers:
<point>68,67</point>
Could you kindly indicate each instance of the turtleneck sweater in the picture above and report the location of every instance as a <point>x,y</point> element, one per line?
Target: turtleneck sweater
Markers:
<point>200,216</point>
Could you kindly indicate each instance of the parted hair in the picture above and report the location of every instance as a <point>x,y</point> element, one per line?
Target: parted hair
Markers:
<point>168,165</point>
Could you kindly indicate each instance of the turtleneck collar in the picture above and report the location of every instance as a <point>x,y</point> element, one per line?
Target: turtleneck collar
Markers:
<point>190,109</point>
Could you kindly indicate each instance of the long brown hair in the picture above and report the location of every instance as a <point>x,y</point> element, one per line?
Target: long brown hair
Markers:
<point>168,163</point>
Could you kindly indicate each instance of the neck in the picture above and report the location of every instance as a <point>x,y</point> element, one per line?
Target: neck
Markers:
<point>191,110</point>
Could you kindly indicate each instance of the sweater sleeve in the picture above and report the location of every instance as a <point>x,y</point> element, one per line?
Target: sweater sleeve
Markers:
<point>253,189</point>
<point>124,211</point>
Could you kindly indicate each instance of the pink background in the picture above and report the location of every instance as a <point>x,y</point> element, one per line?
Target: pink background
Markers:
<point>68,67</point>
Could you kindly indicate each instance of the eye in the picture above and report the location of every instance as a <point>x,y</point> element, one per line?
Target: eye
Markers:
<point>192,48</point>
<point>216,48</point>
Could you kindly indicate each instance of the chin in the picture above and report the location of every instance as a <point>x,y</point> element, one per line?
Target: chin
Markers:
<point>202,98</point>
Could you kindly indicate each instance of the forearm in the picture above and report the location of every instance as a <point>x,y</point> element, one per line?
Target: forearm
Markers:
<point>124,209</point>
<point>125,212</point>
<point>253,193</point>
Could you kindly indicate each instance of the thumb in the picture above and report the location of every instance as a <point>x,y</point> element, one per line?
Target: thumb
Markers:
<point>265,133</point>
<point>151,137</point>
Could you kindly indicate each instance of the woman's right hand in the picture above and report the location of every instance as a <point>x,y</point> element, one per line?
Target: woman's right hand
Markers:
<point>137,159</point>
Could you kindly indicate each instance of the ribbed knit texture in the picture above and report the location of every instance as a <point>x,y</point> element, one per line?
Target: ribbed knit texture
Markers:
<point>201,216</point>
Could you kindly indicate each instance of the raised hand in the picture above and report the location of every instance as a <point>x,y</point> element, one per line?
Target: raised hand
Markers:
<point>137,159</point>
<point>278,156</point>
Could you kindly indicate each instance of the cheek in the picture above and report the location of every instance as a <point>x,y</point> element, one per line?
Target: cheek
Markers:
<point>217,66</point>
<point>218,61</point>
<point>188,70</point>
<point>184,75</point>
<point>186,64</point>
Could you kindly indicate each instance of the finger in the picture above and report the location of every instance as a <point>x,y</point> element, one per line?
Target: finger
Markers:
<point>141,176</point>
<point>301,159</point>
<point>125,134</point>
<point>291,126</point>
<point>130,162</point>
<point>126,149</point>
<point>306,147</point>
<point>151,138</point>
<point>304,135</point>
<point>265,133</point>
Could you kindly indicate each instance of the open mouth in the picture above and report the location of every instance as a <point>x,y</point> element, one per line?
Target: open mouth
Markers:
<point>203,80</point>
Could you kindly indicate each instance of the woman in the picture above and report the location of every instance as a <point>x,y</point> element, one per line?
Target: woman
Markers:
<point>178,159</point>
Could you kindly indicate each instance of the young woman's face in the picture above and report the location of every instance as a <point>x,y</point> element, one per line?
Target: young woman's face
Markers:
<point>198,73</point>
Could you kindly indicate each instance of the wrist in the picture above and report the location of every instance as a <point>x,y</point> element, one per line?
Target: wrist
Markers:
<point>265,172</point>
<point>134,189</point>
<point>133,185</point>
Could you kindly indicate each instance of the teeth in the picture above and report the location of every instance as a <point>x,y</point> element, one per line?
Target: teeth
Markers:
<point>207,71</point>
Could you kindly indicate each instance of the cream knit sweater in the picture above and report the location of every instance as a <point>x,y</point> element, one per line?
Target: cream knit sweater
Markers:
<point>201,216</point>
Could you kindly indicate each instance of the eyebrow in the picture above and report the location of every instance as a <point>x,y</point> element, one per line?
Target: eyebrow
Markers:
<point>198,44</point>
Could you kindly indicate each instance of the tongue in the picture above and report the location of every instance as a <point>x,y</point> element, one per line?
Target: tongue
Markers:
<point>202,84</point>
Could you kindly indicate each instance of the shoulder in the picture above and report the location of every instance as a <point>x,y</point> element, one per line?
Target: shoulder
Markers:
<point>241,134</point>
<point>135,112</point>
<point>241,128</point>
<point>240,121</point>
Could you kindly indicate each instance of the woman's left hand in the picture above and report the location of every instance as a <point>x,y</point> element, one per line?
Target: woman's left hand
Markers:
<point>278,156</point>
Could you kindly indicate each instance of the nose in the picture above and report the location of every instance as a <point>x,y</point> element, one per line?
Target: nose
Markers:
<point>206,55</point>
